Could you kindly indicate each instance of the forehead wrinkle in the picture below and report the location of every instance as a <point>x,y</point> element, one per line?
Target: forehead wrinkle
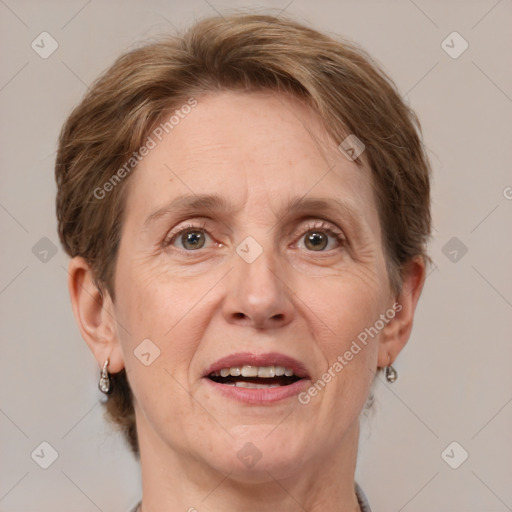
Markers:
<point>191,204</point>
<point>214,154</point>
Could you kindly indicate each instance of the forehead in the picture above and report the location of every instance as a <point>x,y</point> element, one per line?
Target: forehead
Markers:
<point>238,144</point>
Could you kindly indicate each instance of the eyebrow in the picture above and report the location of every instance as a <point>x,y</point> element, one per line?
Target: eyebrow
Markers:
<point>193,204</point>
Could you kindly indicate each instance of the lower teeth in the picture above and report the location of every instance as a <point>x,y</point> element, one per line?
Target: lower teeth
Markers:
<point>240,384</point>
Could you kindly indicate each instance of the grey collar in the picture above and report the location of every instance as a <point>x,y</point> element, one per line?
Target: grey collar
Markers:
<point>362,499</point>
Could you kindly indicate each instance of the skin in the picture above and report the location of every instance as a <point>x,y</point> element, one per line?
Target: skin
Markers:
<point>257,151</point>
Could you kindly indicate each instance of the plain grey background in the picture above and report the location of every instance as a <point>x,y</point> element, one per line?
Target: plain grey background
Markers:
<point>455,383</point>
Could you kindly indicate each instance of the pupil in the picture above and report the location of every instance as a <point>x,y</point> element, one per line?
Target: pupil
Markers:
<point>194,238</point>
<point>316,240</point>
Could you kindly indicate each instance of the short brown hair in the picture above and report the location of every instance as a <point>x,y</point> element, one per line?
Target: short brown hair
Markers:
<point>337,78</point>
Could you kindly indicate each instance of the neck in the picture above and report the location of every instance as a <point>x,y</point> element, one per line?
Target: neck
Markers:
<point>173,480</point>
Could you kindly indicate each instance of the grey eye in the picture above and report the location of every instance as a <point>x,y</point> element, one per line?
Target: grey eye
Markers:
<point>193,239</point>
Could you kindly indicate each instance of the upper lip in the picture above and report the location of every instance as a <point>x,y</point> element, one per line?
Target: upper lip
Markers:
<point>269,359</point>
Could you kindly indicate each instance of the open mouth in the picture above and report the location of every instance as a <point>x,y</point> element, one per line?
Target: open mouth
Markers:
<point>255,377</point>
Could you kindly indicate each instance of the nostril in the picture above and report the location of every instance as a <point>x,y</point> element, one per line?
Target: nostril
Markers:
<point>239,315</point>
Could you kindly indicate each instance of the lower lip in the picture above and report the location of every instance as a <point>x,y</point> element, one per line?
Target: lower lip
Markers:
<point>262,395</point>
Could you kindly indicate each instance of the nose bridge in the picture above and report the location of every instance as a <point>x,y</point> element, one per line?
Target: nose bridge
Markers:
<point>258,294</point>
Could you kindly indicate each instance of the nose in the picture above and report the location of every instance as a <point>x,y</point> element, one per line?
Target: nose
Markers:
<point>258,294</point>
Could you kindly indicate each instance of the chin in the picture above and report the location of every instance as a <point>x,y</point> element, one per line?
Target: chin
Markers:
<point>273,466</point>
<point>252,456</point>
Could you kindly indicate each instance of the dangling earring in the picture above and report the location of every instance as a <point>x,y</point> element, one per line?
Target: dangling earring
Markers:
<point>391,373</point>
<point>104,383</point>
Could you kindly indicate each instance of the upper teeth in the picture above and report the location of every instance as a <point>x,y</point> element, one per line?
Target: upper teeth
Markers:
<point>254,371</point>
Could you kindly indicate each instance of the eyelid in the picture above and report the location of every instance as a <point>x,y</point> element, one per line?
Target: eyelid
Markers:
<point>169,237</point>
<point>326,226</point>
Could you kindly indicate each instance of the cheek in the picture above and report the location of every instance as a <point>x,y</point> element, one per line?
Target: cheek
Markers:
<point>151,302</point>
<point>346,309</point>
<point>159,338</point>
<point>340,310</point>
<point>347,305</point>
<point>170,311</point>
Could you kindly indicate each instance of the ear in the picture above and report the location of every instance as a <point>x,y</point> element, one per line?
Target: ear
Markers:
<point>94,314</point>
<point>396,333</point>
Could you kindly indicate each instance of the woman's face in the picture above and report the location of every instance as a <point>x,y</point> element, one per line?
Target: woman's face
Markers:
<point>244,273</point>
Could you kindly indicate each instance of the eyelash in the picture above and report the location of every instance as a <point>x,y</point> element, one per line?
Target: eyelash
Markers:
<point>322,225</point>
